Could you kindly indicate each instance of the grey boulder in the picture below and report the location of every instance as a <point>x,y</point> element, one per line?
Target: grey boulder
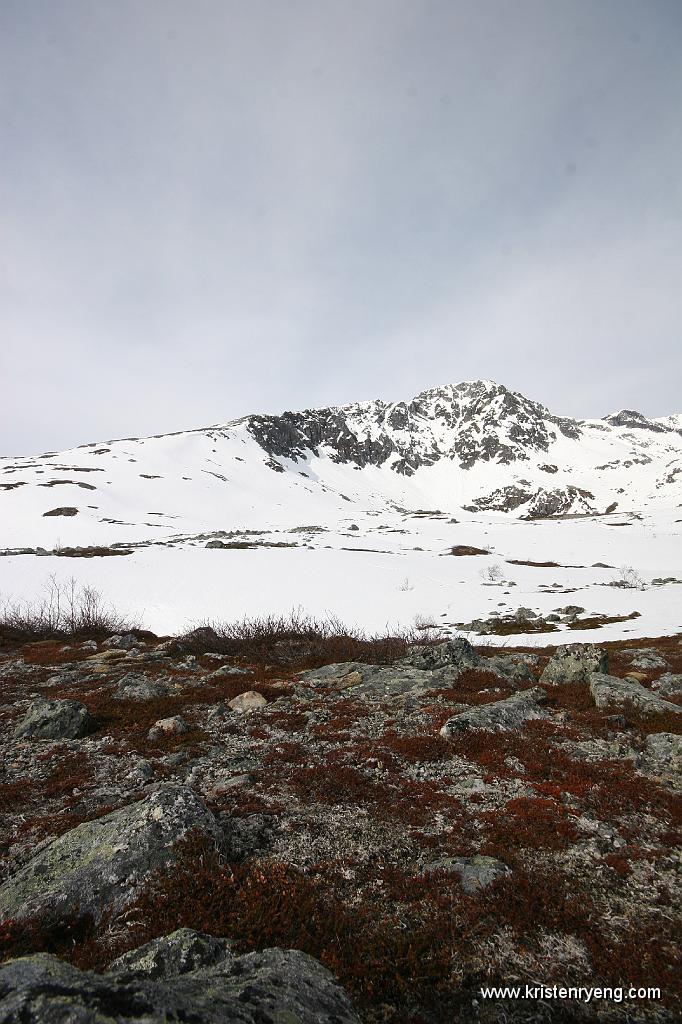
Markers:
<point>574,663</point>
<point>105,863</point>
<point>610,693</point>
<point>185,976</point>
<point>376,680</point>
<point>452,654</point>
<point>510,713</point>
<point>665,747</point>
<point>55,720</point>
<point>668,685</point>
<point>137,686</point>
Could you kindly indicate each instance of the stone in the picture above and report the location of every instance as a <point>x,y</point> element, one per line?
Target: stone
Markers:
<point>249,701</point>
<point>175,726</point>
<point>649,659</point>
<point>574,663</point>
<point>122,643</point>
<point>510,713</point>
<point>203,635</point>
<point>666,747</point>
<point>137,686</point>
<point>185,976</point>
<point>376,680</point>
<point>511,667</point>
<point>104,863</point>
<point>475,873</point>
<point>55,720</point>
<point>611,693</point>
<point>229,670</point>
<point>453,653</point>
<point>668,685</point>
<point>170,956</point>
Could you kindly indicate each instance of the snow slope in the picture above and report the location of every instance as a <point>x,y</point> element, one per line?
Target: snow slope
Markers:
<point>471,463</point>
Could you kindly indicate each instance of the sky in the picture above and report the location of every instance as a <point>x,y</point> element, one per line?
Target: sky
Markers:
<point>210,208</point>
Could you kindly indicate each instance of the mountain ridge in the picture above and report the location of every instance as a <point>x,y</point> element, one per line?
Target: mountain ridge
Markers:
<point>474,447</point>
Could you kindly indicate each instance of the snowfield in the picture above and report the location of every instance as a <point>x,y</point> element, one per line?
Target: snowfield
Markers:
<point>369,501</point>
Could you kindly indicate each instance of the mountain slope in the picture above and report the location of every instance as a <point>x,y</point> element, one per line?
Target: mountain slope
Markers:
<point>473,447</point>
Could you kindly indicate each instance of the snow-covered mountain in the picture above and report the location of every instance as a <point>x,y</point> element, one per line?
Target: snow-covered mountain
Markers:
<point>467,448</point>
<point>350,510</point>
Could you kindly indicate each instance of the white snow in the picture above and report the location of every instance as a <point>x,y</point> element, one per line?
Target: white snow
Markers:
<point>169,493</point>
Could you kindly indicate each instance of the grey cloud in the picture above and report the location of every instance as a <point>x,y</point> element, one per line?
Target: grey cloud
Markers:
<point>214,208</point>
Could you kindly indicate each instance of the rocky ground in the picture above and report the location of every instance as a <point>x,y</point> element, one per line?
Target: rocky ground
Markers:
<point>193,831</point>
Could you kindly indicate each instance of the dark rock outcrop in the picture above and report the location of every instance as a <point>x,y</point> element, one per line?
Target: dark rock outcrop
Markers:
<point>55,720</point>
<point>185,976</point>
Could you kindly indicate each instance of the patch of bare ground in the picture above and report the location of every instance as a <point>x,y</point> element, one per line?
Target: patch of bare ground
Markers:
<point>344,815</point>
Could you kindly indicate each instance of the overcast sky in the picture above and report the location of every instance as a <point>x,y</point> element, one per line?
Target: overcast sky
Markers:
<point>210,207</point>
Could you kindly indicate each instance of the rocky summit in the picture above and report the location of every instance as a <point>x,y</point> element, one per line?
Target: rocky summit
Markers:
<point>216,828</point>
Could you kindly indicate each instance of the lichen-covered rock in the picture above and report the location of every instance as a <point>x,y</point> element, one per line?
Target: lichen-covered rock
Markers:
<point>181,952</point>
<point>453,653</point>
<point>123,643</point>
<point>377,680</point>
<point>665,747</point>
<point>251,700</point>
<point>229,670</point>
<point>182,977</point>
<point>612,693</point>
<point>574,663</point>
<point>649,660</point>
<point>104,863</point>
<point>510,713</point>
<point>514,668</point>
<point>668,685</point>
<point>55,720</point>
<point>475,873</point>
<point>174,726</point>
<point>137,686</point>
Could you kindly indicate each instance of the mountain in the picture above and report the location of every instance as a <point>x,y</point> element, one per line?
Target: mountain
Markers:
<point>467,448</point>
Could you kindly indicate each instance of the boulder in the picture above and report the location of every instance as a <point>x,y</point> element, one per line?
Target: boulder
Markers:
<point>122,643</point>
<point>475,873</point>
<point>665,747</point>
<point>205,636</point>
<point>649,660</point>
<point>137,686</point>
<point>424,668</point>
<point>185,976</point>
<point>510,713</point>
<point>376,680</point>
<point>668,685</point>
<point>104,863</point>
<point>452,654</point>
<point>249,701</point>
<point>55,720</point>
<point>229,670</point>
<point>574,663</point>
<point>611,693</point>
<point>175,726</point>
<point>513,668</point>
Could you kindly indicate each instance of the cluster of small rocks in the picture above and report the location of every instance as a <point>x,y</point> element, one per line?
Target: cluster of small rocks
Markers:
<point>503,622</point>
